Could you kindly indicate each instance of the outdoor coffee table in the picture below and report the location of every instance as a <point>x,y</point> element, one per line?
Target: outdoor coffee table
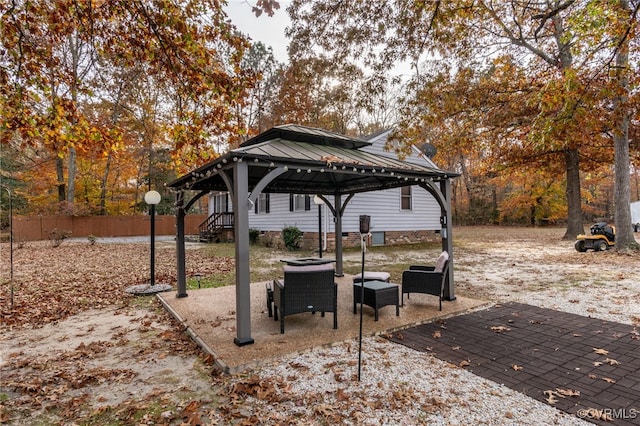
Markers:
<point>376,295</point>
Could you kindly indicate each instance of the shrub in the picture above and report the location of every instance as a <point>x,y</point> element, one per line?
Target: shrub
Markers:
<point>57,236</point>
<point>292,237</point>
<point>254,234</point>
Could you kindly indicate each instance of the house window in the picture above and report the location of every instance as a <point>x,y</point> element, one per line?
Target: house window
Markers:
<point>405,198</point>
<point>299,202</point>
<point>262,206</point>
<point>221,203</point>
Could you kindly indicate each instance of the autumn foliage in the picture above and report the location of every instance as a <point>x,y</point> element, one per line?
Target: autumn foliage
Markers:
<point>92,91</point>
<point>534,104</point>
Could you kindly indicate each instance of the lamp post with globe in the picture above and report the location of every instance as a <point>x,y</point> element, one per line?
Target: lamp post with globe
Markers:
<point>152,198</point>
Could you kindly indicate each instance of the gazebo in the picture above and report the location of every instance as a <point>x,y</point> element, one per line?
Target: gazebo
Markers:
<point>301,160</point>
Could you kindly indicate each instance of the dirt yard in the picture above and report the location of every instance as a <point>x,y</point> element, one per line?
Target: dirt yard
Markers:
<point>77,349</point>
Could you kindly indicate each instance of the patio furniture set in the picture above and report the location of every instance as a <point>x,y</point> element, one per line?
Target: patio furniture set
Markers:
<point>309,286</point>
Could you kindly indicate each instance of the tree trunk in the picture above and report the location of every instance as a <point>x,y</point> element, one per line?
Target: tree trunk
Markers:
<point>574,219</point>
<point>622,197</point>
<point>103,186</point>
<point>571,155</point>
<point>60,175</point>
<point>71,177</point>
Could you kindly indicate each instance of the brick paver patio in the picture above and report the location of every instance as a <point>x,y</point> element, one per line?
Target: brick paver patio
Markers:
<point>546,354</point>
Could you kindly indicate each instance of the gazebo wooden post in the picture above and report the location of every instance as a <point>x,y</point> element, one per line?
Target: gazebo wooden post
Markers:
<point>241,233</point>
<point>447,237</point>
<point>180,246</point>
<point>338,233</point>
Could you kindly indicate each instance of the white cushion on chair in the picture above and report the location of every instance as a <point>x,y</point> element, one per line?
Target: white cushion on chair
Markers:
<point>441,260</point>
<point>372,276</point>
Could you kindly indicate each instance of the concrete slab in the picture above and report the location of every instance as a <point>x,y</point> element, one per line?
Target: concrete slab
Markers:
<point>210,317</point>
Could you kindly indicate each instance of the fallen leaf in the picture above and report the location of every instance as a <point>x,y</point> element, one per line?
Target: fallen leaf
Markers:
<point>608,380</point>
<point>597,363</point>
<point>551,397</point>
<point>516,367</point>
<point>298,366</point>
<point>436,334</point>
<point>600,351</point>
<point>568,392</point>
<point>500,329</point>
<point>455,348</point>
<point>341,395</point>
<point>612,361</point>
<point>464,363</point>
<point>323,409</point>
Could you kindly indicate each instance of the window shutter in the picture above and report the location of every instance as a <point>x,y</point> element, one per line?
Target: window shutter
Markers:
<point>267,201</point>
<point>257,205</point>
<point>307,202</point>
<point>291,201</point>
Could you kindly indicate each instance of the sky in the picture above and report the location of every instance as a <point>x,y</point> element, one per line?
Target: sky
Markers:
<point>270,29</point>
<point>266,29</point>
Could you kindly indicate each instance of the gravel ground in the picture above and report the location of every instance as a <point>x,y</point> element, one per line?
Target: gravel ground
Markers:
<point>402,387</point>
<point>168,383</point>
<point>398,386</point>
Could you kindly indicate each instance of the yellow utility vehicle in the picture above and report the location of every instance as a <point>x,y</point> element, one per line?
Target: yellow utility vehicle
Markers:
<point>602,237</point>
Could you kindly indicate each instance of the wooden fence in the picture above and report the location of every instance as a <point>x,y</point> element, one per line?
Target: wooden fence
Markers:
<point>32,228</point>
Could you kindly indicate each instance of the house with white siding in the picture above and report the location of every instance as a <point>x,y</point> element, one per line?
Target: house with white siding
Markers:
<point>398,215</point>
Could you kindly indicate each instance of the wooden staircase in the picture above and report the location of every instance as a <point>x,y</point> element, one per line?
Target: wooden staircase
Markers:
<point>217,228</point>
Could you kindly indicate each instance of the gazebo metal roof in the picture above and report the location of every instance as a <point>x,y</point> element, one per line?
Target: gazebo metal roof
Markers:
<point>316,161</point>
<point>301,160</point>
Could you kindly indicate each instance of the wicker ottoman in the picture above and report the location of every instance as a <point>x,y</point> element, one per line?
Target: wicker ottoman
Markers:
<point>376,295</point>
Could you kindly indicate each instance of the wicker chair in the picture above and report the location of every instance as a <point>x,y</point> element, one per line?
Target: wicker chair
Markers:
<point>426,279</point>
<point>305,289</point>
